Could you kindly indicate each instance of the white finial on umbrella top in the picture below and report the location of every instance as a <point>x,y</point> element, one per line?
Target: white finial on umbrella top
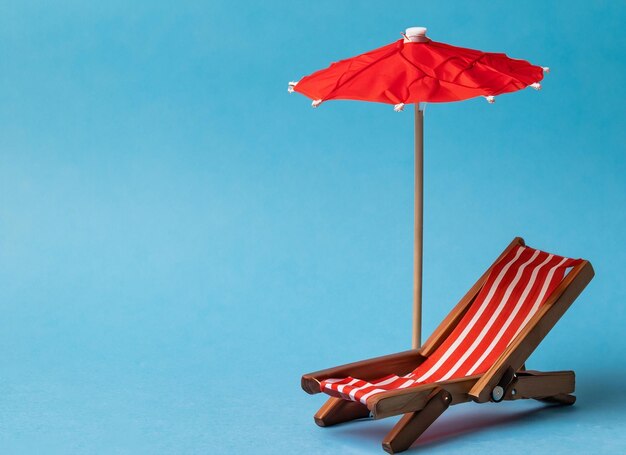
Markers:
<point>415,35</point>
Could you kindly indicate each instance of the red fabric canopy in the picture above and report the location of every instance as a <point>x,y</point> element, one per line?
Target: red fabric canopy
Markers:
<point>411,72</point>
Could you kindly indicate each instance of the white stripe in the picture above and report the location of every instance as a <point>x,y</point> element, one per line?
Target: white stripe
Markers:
<point>471,324</point>
<point>492,319</point>
<point>368,384</point>
<point>386,381</point>
<point>542,294</point>
<point>509,320</point>
<point>333,380</point>
<point>342,386</point>
<point>406,384</point>
<point>373,384</point>
<point>369,394</point>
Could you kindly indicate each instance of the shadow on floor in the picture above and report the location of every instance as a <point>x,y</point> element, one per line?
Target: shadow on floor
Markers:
<point>450,425</point>
<point>595,393</point>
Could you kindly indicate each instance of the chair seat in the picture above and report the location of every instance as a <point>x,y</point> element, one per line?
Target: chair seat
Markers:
<point>359,390</point>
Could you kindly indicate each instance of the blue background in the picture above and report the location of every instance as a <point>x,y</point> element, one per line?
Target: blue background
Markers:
<point>180,239</point>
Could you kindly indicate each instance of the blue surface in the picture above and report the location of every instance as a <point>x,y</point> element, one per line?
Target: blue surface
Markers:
<point>180,239</point>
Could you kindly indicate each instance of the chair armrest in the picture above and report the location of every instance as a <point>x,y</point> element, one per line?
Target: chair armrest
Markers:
<point>400,363</point>
<point>412,399</point>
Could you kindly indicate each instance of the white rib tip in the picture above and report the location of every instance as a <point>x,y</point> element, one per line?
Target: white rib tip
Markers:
<point>291,86</point>
<point>399,107</point>
<point>545,69</point>
<point>490,99</point>
<point>535,85</point>
<point>316,103</point>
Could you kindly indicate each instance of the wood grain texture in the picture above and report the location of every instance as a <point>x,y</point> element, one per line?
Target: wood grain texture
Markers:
<point>540,385</point>
<point>401,401</point>
<point>338,410</point>
<point>535,331</point>
<point>418,227</point>
<point>413,424</point>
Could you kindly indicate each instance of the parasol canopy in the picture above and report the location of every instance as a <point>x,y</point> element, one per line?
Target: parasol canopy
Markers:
<point>417,69</point>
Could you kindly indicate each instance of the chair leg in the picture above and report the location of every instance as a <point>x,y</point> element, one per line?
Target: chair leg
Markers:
<point>413,424</point>
<point>338,410</point>
<point>561,398</point>
<point>548,387</point>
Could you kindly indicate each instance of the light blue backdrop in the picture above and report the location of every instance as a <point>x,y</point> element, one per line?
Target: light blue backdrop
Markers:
<point>180,239</point>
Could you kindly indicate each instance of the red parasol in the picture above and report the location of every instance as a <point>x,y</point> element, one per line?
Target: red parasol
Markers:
<point>418,70</point>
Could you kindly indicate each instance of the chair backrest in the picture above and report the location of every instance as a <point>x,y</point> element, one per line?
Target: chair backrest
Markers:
<point>515,289</point>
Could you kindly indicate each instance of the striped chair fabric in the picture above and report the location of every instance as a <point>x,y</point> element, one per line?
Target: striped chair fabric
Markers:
<point>515,289</point>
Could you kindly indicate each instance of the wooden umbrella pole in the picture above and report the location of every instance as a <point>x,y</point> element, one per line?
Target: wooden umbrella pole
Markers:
<point>419,227</point>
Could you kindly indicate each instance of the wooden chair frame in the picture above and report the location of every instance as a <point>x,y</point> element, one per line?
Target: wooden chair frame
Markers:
<point>507,379</point>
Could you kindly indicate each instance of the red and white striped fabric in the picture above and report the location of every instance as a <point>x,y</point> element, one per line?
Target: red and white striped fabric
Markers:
<point>516,288</point>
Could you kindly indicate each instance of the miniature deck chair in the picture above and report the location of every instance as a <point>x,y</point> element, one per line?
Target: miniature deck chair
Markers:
<point>477,353</point>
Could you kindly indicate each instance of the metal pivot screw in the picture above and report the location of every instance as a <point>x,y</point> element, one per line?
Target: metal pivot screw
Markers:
<point>513,392</point>
<point>497,394</point>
